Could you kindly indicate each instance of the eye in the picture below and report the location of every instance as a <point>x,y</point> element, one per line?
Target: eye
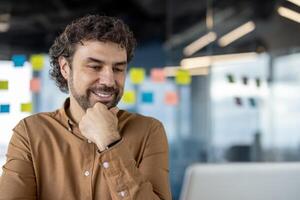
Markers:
<point>94,67</point>
<point>118,69</point>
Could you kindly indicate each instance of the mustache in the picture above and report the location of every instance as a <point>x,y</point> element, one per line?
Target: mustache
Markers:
<point>104,88</point>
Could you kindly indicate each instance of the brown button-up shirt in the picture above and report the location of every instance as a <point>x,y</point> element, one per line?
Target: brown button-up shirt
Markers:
<point>49,159</point>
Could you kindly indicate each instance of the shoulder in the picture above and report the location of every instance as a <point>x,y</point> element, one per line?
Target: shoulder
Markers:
<point>138,120</point>
<point>36,121</point>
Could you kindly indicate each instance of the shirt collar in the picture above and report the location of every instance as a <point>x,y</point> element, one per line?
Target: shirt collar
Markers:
<point>65,119</point>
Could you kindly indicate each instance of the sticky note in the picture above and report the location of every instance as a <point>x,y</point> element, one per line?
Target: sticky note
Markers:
<point>26,107</point>
<point>147,97</point>
<point>252,102</point>
<point>4,108</point>
<point>137,75</point>
<point>129,97</point>
<point>171,98</point>
<point>3,85</point>
<point>230,78</point>
<point>257,81</point>
<point>18,60</point>
<point>245,80</point>
<point>35,85</point>
<point>158,75</point>
<point>37,61</point>
<point>183,77</point>
<point>238,101</point>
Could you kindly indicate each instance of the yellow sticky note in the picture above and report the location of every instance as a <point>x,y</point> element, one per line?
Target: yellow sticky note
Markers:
<point>37,61</point>
<point>183,77</point>
<point>129,97</point>
<point>137,75</point>
<point>26,107</point>
<point>3,85</point>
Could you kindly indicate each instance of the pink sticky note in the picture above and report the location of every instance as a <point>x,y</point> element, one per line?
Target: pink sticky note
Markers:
<point>158,75</point>
<point>171,98</point>
<point>35,85</point>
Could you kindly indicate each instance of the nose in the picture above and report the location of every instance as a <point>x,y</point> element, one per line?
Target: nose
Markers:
<point>106,76</point>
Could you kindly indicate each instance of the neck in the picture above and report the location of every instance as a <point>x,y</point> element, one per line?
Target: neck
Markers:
<point>75,111</point>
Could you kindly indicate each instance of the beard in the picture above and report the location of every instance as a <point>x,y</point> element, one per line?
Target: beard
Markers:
<point>84,100</point>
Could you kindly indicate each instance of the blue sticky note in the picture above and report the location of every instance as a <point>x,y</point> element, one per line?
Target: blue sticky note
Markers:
<point>252,102</point>
<point>147,97</point>
<point>18,60</point>
<point>4,108</point>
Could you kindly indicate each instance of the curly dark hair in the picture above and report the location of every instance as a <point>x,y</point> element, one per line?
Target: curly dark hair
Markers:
<point>90,27</point>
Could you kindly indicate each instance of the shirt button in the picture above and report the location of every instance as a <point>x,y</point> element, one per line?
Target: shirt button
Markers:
<point>106,165</point>
<point>86,173</point>
<point>89,141</point>
<point>122,193</point>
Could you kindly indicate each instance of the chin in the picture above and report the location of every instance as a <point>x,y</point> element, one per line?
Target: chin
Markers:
<point>107,104</point>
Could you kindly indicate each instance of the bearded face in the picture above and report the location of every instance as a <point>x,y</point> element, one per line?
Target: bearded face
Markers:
<point>97,74</point>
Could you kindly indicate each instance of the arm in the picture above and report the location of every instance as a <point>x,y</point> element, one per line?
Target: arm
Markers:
<point>125,179</point>
<point>18,178</point>
<point>149,180</point>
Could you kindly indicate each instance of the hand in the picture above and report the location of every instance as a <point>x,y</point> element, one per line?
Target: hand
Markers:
<point>100,125</point>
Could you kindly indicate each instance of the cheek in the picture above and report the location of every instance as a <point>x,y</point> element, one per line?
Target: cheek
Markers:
<point>82,81</point>
<point>120,80</point>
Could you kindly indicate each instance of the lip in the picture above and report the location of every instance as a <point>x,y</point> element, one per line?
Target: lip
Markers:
<point>104,97</point>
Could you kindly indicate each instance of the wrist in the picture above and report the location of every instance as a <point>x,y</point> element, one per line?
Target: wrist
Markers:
<point>103,147</point>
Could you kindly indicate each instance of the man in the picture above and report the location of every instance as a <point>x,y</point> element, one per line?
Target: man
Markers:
<point>89,149</point>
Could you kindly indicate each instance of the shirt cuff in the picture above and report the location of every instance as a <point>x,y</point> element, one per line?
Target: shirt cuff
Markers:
<point>116,158</point>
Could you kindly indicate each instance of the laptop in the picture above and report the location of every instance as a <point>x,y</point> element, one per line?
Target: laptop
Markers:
<point>251,181</point>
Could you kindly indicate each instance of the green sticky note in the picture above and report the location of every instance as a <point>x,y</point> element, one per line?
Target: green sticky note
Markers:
<point>129,97</point>
<point>26,107</point>
<point>230,78</point>
<point>3,85</point>
<point>183,77</point>
<point>137,75</point>
<point>37,61</point>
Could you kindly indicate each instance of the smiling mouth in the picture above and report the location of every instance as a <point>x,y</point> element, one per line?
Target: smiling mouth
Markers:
<point>104,96</point>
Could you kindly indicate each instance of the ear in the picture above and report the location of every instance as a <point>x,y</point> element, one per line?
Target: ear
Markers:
<point>64,67</point>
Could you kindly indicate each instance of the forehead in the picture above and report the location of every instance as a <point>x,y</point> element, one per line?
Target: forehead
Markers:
<point>105,51</point>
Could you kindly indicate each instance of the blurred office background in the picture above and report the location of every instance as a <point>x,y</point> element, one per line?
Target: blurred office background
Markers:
<point>222,76</point>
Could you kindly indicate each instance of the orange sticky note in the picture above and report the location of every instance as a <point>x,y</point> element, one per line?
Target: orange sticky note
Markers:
<point>171,98</point>
<point>37,61</point>
<point>137,75</point>
<point>26,107</point>
<point>158,75</point>
<point>35,85</point>
<point>129,97</point>
<point>183,77</point>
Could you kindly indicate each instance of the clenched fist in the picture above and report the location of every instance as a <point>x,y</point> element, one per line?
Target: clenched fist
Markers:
<point>100,125</point>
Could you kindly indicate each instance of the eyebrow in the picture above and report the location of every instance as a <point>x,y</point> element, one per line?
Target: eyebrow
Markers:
<point>90,59</point>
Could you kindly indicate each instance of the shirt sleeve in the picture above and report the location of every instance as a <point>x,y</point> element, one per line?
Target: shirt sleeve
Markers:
<point>149,180</point>
<point>18,178</point>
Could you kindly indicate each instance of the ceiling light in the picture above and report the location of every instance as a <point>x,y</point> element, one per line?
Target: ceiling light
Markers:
<point>206,61</point>
<point>288,13</point>
<point>4,17</point>
<point>4,26</point>
<point>199,43</point>
<point>236,33</point>
<point>296,2</point>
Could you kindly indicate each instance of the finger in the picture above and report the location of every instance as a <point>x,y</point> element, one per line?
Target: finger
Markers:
<point>114,110</point>
<point>99,105</point>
